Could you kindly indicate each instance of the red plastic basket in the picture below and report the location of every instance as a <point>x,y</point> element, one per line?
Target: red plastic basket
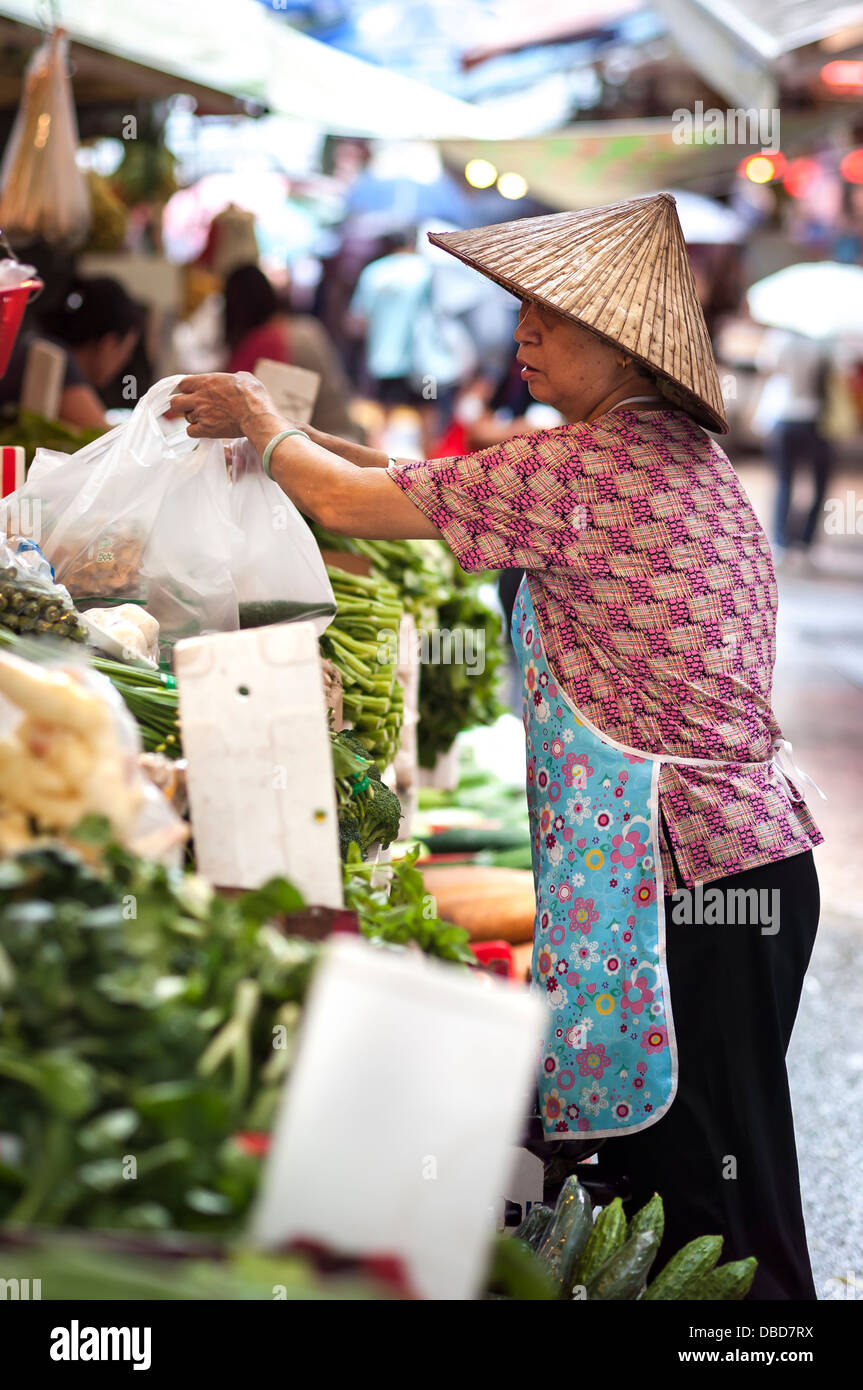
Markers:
<point>13,302</point>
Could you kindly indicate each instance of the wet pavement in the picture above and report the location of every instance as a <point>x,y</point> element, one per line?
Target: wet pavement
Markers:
<point>818,698</point>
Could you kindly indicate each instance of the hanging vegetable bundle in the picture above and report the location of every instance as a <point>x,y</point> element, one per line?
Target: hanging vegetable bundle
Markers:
<point>362,641</point>
<point>461,649</point>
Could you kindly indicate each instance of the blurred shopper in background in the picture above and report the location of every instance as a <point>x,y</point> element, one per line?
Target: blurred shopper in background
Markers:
<point>98,325</point>
<point>490,408</point>
<point>390,296</point>
<point>791,415</point>
<point>257,324</point>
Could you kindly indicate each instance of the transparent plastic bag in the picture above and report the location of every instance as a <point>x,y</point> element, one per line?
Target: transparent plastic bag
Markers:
<point>44,194</point>
<point>69,749</point>
<point>142,514</point>
<point>276,558</point>
<point>26,575</point>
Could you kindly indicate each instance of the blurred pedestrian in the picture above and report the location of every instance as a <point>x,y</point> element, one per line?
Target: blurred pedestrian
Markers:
<point>391,294</point>
<point>794,401</point>
<point>258,324</point>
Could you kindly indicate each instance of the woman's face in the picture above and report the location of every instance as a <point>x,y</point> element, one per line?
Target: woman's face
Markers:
<point>108,356</point>
<point>564,365</point>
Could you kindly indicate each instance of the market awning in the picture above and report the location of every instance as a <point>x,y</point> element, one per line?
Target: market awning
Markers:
<point>100,78</point>
<point>735,46</point>
<point>243,51</point>
<point>601,162</point>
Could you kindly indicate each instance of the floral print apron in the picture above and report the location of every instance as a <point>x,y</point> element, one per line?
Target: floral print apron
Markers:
<point>609,1062</point>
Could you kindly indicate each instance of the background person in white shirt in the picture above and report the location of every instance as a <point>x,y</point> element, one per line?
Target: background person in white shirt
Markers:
<point>795,394</point>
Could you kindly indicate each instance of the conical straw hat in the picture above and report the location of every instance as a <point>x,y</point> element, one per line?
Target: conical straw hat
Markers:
<point>621,271</point>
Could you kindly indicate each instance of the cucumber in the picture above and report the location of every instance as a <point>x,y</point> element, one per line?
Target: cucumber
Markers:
<point>262,613</point>
<point>692,1262</point>
<point>516,1273</point>
<point>567,1233</point>
<point>728,1283</point>
<point>622,1276</point>
<point>650,1218</point>
<point>469,839</point>
<point>534,1226</point>
<point>607,1236</point>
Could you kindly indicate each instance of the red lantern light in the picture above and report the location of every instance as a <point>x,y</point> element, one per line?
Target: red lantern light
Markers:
<point>851,167</point>
<point>843,72</point>
<point>799,176</point>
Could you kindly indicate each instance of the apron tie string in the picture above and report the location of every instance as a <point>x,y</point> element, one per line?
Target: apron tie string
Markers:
<point>783,761</point>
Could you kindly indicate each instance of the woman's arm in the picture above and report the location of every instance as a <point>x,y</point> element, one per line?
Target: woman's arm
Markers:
<point>81,407</point>
<point>360,455</point>
<point>337,492</point>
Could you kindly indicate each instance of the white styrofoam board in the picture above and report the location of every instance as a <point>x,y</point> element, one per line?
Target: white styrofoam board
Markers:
<point>384,1142</point>
<point>260,777</point>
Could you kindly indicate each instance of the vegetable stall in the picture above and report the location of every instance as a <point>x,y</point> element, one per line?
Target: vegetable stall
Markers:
<point>150,1019</point>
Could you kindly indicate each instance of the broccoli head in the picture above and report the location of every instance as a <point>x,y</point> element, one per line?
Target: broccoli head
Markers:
<point>347,739</point>
<point>349,832</point>
<point>380,813</point>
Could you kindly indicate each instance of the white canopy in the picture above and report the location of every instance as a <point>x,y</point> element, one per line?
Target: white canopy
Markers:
<point>241,47</point>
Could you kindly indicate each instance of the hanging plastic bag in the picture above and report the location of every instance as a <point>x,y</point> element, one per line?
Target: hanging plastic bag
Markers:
<point>277,566</point>
<point>142,514</point>
<point>44,194</point>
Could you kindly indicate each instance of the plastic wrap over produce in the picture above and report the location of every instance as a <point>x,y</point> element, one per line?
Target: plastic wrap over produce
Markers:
<point>31,603</point>
<point>69,750</point>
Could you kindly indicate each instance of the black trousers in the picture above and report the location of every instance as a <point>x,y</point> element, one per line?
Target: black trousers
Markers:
<point>796,442</point>
<point>723,1158</point>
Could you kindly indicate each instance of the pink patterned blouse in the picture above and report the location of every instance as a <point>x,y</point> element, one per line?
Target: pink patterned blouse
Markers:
<point>654,589</point>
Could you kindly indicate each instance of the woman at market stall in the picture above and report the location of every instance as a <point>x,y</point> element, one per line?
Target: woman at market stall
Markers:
<point>645,632</point>
<point>98,325</point>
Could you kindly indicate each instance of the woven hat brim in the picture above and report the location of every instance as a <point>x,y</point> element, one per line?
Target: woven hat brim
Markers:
<point>706,405</point>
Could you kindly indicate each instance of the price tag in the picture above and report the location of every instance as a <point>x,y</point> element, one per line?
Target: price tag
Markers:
<point>294,389</point>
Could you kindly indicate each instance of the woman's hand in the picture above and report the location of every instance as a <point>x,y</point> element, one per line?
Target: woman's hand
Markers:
<point>221,405</point>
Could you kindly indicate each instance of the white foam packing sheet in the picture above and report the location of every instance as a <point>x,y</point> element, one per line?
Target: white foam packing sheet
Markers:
<point>397,1126</point>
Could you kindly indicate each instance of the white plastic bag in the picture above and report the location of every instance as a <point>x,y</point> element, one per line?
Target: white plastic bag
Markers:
<point>276,557</point>
<point>44,193</point>
<point>143,513</point>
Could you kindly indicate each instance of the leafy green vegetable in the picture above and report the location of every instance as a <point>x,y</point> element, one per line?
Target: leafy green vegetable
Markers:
<point>75,1266</point>
<point>457,695</point>
<point>454,695</point>
<point>143,1023</point>
<point>360,642</point>
<point>369,813</point>
<point>32,432</point>
<point>392,906</point>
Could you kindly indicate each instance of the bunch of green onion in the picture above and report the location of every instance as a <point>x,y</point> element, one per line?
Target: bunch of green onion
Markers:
<point>361,641</point>
<point>151,696</point>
